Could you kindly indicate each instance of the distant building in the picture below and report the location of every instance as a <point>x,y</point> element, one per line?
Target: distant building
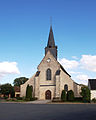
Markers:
<point>51,78</point>
<point>17,91</point>
<point>92,87</point>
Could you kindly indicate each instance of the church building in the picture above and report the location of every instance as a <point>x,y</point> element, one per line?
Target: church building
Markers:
<point>51,77</point>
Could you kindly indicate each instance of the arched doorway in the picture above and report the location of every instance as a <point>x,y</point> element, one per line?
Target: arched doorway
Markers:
<point>48,95</point>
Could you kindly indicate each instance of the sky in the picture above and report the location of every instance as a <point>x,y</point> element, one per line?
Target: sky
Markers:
<point>24,30</point>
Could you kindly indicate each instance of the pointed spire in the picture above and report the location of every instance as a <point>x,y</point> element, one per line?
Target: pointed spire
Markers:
<point>51,42</point>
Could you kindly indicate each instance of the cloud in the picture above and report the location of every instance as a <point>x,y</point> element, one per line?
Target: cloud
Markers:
<point>82,79</point>
<point>75,57</point>
<point>69,64</point>
<point>80,69</point>
<point>88,62</point>
<point>74,72</point>
<point>8,68</point>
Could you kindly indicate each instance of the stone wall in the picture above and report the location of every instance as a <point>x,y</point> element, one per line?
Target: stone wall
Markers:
<point>77,90</point>
<point>65,79</point>
<point>55,85</point>
<point>49,84</point>
<point>43,90</point>
<point>24,86</point>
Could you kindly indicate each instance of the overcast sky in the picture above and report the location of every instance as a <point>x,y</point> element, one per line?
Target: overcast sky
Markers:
<point>24,30</point>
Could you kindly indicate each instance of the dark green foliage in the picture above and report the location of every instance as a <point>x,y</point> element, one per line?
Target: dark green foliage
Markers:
<point>70,95</point>
<point>12,93</point>
<point>7,89</point>
<point>20,81</point>
<point>29,93</point>
<point>94,100</point>
<point>19,98</point>
<point>85,93</point>
<point>78,99</point>
<point>63,96</point>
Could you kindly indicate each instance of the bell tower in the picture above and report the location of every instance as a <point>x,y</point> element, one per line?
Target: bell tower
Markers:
<point>51,44</point>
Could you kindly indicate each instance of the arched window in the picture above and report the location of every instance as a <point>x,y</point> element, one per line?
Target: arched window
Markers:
<point>66,87</point>
<point>48,74</point>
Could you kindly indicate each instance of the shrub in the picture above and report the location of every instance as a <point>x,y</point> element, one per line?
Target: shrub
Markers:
<point>27,99</point>
<point>63,96</point>
<point>6,97</point>
<point>30,99</point>
<point>29,92</point>
<point>56,99</point>
<point>85,93</point>
<point>70,95</point>
<point>33,99</point>
<point>94,100</point>
<point>19,98</point>
<point>78,99</point>
<point>14,99</point>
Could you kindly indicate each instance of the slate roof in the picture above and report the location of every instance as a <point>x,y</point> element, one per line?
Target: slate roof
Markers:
<point>92,83</point>
<point>51,42</point>
<point>58,72</point>
<point>64,70</point>
<point>37,73</point>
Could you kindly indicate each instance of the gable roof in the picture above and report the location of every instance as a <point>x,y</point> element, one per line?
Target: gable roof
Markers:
<point>58,72</point>
<point>92,83</point>
<point>64,70</point>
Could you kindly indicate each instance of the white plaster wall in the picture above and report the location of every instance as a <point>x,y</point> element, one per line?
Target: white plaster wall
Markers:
<point>93,94</point>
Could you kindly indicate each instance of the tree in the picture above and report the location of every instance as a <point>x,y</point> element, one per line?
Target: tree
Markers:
<point>7,89</point>
<point>85,93</point>
<point>63,96</point>
<point>20,81</point>
<point>29,92</point>
<point>70,95</point>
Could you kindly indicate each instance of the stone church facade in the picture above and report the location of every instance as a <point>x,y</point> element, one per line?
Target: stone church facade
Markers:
<point>51,78</point>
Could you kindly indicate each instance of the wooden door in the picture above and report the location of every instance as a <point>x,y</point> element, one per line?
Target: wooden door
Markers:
<point>48,95</point>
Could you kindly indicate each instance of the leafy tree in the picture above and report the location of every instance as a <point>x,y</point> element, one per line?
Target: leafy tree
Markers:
<point>70,95</point>
<point>63,96</point>
<point>20,81</point>
<point>85,93</point>
<point>29,92</point>
<point>7,89</point>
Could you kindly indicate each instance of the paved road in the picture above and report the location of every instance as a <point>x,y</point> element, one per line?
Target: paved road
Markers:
<point>12,111</point>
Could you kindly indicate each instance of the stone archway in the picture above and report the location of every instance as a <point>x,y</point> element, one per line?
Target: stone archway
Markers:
<point>48,95</point>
